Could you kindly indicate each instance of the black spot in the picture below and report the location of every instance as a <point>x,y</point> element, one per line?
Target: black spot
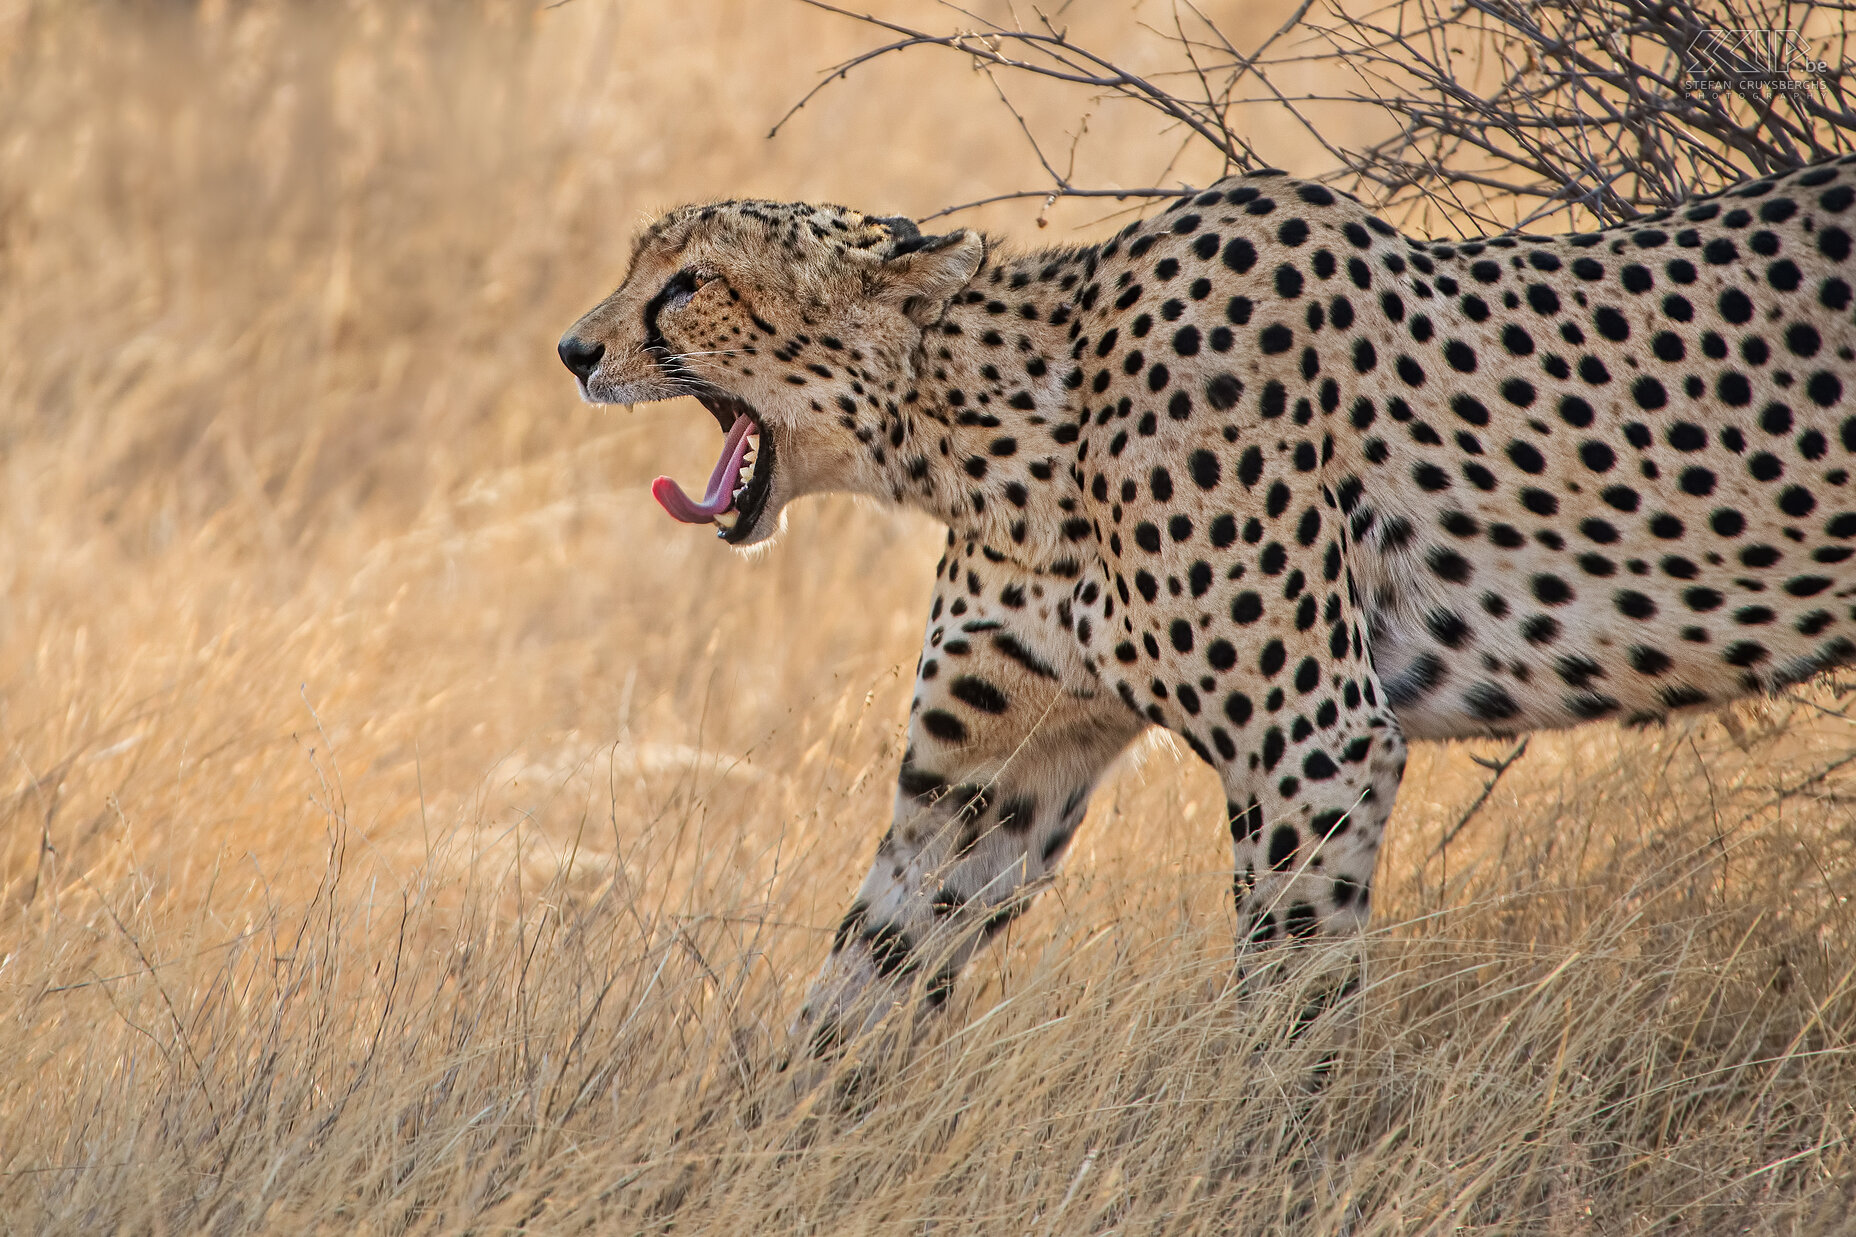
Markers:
<point>1519,392</point>
<point>1539,501</point>
<point>1449,565</point>
<point>1223,391</point>
<point>1470,409</point>
<point>918,783</point>
<point>1490,702</point>
<point>1272,658</point>
<point>1238,708</point>
<point>1318,766</point>
<point>1448,628</point>
<point>1797,502</point>
<point>1009,645</point>
<point>1283,844</point>
<point>1744,653</point>
<point>978,693</point>
<point>1824,388</point>
<point>1205,469</point>
<point>1646,660</point>
<point>1507,536</point>
<point>1621,497</point>
<point>1550,590</point>
<point>1308,673</point>
<point>1540,629</point>
<point>1633,604</point>
<point>944,726</point>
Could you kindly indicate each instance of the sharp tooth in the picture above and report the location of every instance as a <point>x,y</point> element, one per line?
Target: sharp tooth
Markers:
<point>747,471</point>
<point>726,520</point>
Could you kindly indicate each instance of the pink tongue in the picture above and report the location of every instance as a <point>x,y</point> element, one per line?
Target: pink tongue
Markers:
<point>720,496</point>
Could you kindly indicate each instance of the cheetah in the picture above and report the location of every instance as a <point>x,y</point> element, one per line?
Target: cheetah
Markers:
<point>1265,472</point>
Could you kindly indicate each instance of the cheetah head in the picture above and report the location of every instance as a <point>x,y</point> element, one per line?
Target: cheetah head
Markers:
<point>794,325</point>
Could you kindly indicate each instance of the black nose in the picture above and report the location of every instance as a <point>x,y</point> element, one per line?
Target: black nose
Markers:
<point>581,355</point>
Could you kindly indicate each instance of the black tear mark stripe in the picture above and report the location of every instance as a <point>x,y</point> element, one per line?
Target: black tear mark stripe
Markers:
<point>654,342</point>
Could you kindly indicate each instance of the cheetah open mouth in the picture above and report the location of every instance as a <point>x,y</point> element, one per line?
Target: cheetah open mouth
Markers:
<point>738,487</point>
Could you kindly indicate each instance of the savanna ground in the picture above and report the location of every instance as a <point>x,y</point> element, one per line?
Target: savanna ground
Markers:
<point>405,827</point>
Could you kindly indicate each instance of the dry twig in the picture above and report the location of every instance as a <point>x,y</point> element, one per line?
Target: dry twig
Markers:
<point>1504,112</point>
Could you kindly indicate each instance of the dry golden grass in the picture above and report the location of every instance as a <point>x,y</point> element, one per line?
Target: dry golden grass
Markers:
<point>405,828</point>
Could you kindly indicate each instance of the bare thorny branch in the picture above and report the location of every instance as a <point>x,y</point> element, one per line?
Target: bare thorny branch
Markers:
<point>1502,112</point>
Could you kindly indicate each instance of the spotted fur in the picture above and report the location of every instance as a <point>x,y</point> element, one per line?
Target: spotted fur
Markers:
<point>1296,487</point>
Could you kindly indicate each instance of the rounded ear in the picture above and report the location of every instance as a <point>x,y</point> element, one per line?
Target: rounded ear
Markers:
<point>921,273</point>
<point>899,227</point>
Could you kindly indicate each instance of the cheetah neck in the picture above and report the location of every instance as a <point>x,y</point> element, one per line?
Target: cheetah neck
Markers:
<point>987,430</point>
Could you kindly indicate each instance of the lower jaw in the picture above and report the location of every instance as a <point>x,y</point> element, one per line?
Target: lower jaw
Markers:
<point>730,528</point>
<point>737,525</point>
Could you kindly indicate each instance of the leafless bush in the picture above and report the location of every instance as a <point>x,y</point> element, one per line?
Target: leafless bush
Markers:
<point>1504,112</point>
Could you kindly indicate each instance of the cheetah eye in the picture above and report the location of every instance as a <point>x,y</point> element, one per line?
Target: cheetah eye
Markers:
<point>681,286</point>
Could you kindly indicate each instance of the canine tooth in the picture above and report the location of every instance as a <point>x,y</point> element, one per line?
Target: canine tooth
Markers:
<point>727,520</point>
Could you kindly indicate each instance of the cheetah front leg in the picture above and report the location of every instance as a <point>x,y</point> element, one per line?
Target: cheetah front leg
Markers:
<point>1273,685</point>
<point>1008,733</point>
<point>1308,806</point>
<point>1304,860</point>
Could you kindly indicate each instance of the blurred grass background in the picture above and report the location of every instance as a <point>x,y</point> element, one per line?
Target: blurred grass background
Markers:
<point>404,827</point>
